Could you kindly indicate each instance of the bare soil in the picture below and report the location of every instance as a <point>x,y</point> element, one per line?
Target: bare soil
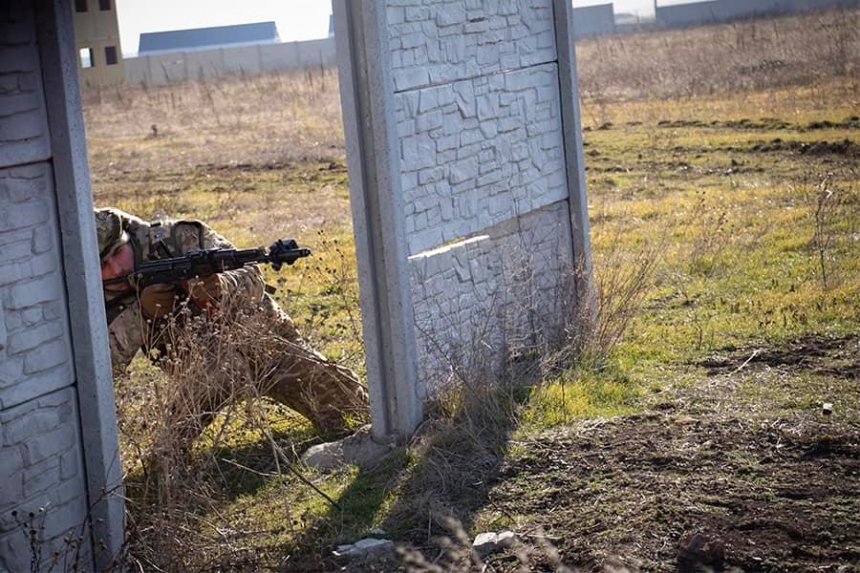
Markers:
<point>773,490</point>
<point>742,470</point>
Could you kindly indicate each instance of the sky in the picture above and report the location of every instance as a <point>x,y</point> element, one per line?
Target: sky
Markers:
<point>296,19</point>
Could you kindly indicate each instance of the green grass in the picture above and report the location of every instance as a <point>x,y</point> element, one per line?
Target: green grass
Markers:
<point>738,268</point>
<point>729,227</point>
<point>573,397</point>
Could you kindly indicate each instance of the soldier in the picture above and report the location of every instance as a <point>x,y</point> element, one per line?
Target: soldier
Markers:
<point>275,359</point>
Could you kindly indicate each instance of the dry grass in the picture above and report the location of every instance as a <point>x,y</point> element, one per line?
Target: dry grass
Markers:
<point>205,435</point>
<point>260,120</point>
<point>745,237</point>
<point>808,50</point>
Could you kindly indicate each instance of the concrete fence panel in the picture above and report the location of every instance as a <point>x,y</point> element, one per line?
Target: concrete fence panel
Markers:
<point>467,188</point>
<point>716,11</point>
<point>597,20</point>
<point>59,462</point>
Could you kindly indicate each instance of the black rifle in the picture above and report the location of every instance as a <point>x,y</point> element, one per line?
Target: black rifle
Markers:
<point>207,262</point>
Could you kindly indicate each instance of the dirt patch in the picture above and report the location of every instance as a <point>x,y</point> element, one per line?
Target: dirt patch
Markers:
<point>763,124</point>
<point>777,497</point>
<point>846,147</point>
<point>770,493</point>
<point>852,122</point>
<point>838,357</point>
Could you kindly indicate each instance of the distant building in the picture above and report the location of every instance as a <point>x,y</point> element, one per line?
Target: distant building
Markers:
<point>596,20</point>
<point>208,38</point>
<point>97,42</point>
<point>331,26</point>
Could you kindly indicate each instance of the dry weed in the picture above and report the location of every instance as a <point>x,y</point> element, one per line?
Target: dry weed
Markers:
<point>834,209</point>
<point>219,371</point>
<point>746,56</point>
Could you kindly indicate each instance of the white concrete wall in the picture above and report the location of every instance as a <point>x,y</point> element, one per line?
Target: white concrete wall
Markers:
<point>597,20</point>
<point>434,42</point>
<point>41,451</point>
<point>467,188</point>
<point>41,457</point>
<point>179,66</point>
<point>477,152</point>
<point>58,450</point>
<point>482,300</point>
<point>481,145</point>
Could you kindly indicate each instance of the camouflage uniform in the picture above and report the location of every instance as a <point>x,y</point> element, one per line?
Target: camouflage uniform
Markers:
<point>291,372</point>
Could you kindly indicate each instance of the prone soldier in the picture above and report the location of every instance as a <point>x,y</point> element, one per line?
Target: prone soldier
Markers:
<point>292,372</point>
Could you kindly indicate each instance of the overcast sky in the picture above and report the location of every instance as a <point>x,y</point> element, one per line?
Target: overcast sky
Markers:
<point>296,19</point>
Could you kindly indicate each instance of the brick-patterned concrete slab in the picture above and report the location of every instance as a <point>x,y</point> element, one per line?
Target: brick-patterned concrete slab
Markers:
<point>439,42</point>
<point>40,473</point>
<point>36,353</point>
<point>23,119</point>
<point>481,300</point>
<point>469,166</point>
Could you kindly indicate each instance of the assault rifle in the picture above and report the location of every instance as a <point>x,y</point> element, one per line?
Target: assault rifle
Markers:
<point>207,262</point>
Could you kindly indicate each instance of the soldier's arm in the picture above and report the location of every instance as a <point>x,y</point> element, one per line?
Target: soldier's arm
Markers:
<point>246,282</point>
<point>126,336</point>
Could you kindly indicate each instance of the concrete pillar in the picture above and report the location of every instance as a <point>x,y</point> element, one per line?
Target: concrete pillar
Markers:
<point>377,207</point>
<point>81,265</point>
<point>572,133</point>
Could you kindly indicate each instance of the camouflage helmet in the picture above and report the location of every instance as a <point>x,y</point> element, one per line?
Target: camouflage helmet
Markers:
<point>109,230</point>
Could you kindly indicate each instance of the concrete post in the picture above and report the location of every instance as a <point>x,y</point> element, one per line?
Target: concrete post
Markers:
<point>81,269</point>
<point>377,206</point>
<point>572,132</point>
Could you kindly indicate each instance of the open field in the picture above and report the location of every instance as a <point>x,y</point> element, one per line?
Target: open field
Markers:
<point>725,212</point>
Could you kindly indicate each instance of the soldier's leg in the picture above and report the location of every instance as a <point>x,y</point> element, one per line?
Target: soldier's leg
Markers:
<point>328,394</point>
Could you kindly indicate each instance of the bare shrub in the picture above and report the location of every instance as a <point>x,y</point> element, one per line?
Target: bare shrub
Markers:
<point>712,235</point>
<point>622,279</point>
<point>212,399</point>
<point>69,558</point>
<point>834,210</point>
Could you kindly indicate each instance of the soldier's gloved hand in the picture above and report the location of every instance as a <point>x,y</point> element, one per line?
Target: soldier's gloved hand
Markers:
<point>206,292</point>
<point>158,300</point>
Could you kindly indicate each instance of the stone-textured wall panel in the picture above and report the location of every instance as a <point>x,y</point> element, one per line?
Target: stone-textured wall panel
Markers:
<point>487,298</point>
<point>41,472</point>
<point>45,485</point>
<point>477,152</point>
<point>482,164</point>
<point>437,42</point>
<point>35,357</point>
<point>23,119</point>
